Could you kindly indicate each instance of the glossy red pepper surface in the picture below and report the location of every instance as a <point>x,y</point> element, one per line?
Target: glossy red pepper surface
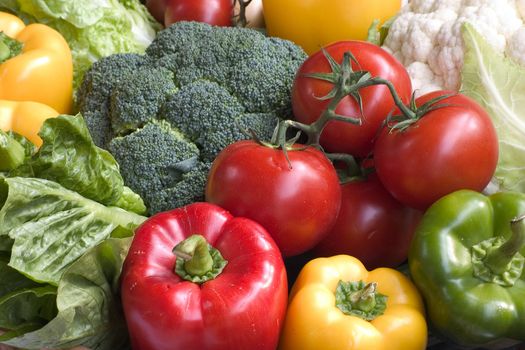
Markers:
<point>242,308</point>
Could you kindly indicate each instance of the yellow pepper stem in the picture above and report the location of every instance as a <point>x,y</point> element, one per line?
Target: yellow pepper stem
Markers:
<point>9,47</point>
<point>360,299</point>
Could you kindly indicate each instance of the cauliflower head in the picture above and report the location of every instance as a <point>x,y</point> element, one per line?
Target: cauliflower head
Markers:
<point>426,37</point>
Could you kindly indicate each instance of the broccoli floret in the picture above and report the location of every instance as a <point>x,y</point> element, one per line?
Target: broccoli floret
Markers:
<point>256,69</point>
<point>218,120</point>
<point>138,99</point>
<point>93,95</point>
<point>167,114</point>
<point>189,189</point>
<point>155,161</point>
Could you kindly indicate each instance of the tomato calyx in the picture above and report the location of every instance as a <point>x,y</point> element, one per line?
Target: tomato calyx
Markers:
<point>403,121</point>
<point>240,19</point>
<point>346,82</point>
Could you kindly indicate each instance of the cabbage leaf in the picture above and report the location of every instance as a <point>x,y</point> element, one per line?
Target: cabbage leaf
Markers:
<point>498,85</point>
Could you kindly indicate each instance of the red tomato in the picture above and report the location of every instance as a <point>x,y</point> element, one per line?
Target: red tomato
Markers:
<point>338,136</point>
<point>450,148</point>
<point>298,205</point>
<point>215,12</point>
<point>371,226</point>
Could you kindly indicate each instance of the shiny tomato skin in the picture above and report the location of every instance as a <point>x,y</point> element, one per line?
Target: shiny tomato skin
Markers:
<point>297,206</point>
<point>451,148</point>
<point>214,12</point>
<point>371,226</point>
<point>338,136</point>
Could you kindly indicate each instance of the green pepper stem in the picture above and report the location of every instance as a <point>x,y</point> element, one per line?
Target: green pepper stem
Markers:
<point>196,255</point>
<point>497,258</point>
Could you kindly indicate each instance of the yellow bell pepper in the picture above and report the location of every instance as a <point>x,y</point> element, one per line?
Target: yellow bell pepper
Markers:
<point>316,23</point>
<point>336,304</point>
<point>35,64</point>
<point>25,118</point>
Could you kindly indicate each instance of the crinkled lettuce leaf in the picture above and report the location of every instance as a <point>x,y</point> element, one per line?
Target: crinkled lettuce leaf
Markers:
<point>64,218</point>
<point>92,28</point>
<point>498,84</point>
<point>69,156</point>
<point>88,309</point>
<point>51,226</point>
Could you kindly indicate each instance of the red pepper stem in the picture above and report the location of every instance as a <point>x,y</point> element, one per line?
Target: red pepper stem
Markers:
<point>196,254</point>
<point>499,257</point>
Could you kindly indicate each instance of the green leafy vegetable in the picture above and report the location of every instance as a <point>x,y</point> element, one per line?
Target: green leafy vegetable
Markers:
<point>63,215</point>
<point>69,156</point>
<point>92,28</point>
<point>12,153</point>
<point>498,84</point>
<point>89,312</point>
<point>52,227</point>
<point>377,32</point>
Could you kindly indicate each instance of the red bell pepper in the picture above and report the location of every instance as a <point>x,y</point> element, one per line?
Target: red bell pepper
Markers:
<point>198,278</point>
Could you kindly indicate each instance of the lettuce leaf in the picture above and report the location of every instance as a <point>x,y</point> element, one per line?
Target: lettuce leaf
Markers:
<point>51,227</point>
<point>88,306</point>
<point>69,156</point>
<point>64,214</point>
<point>498,84</point>
<point>92,28</point>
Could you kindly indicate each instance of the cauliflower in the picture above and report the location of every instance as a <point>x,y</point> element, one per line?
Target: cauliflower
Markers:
<point>426,37</point>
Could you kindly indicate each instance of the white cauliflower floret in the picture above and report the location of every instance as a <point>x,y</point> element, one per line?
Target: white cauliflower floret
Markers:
<point>426,37</point>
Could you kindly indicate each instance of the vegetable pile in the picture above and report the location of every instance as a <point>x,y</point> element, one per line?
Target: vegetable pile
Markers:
<point>165,115</point>
<point>209,185</point>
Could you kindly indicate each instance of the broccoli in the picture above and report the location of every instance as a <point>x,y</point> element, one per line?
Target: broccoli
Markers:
<point>165,115</point>
<point>93,96</point>
<point>139,98</point>
<point>164,159</point>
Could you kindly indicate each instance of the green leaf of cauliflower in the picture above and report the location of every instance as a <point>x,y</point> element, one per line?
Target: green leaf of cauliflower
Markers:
<point>498,84</point>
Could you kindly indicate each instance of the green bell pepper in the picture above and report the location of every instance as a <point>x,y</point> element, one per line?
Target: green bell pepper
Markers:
<point>467,260</point>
